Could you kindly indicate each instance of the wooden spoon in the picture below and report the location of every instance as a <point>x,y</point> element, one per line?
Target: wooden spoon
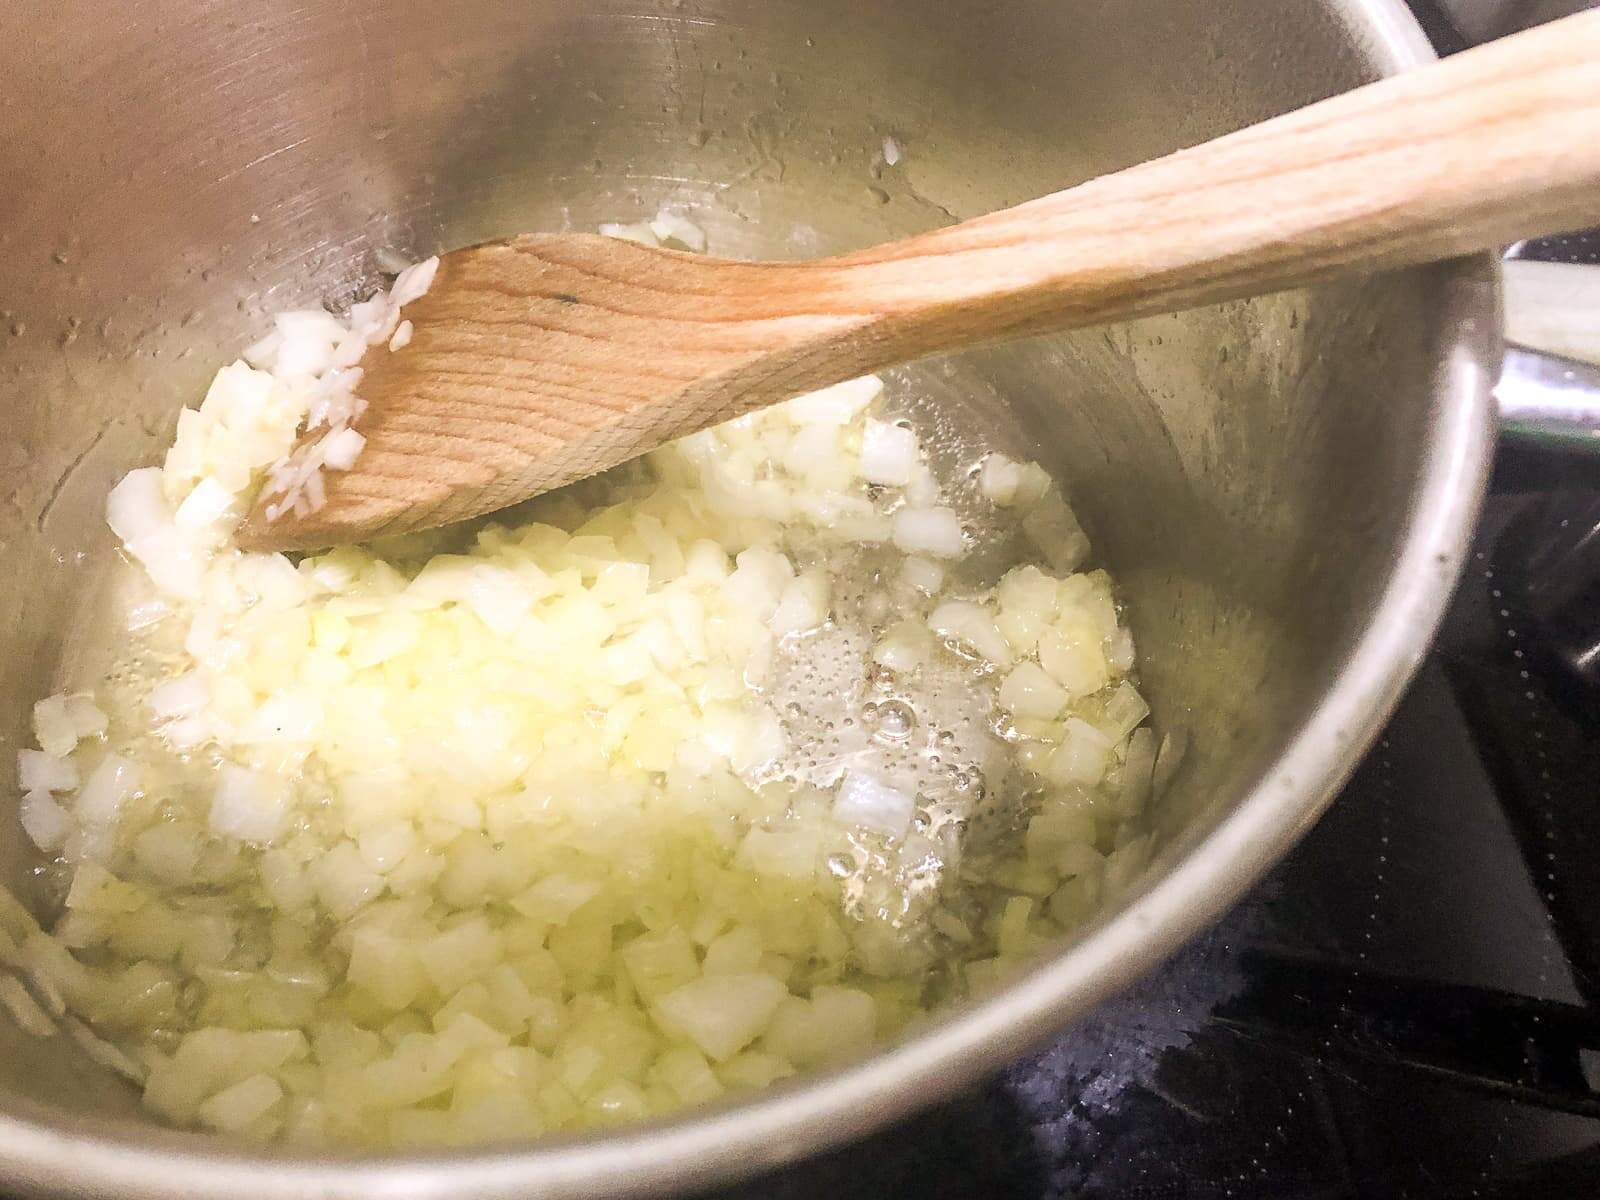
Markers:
<point>549,357</point>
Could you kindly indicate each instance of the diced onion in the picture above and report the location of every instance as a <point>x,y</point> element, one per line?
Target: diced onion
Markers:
<point>871,803</point>
<point>669,226</point>
<point>1029,691</point>
<point>1082,756</point>
<point>41,772</point>
<point>933,531</point>
<point>564,826</point>
<point>640,232</point>
<point>181,697</point>
<point>44,821</point>
<point>836,405</point>
<point>1074,660</point>
<point>889,454</point>
<point>721,1014</point>
<point>247,806</point>
<point>104,792</point>
<point>24,1010</point>
<point>1055,532</point>
<point>999,478</point>
<point>1138,768</point>
<point>343,448</point>
<point>923,574</point>
<point>972,625</point>
<point>53,726</point>
<point>235,1108</point>
<point>803,604</point>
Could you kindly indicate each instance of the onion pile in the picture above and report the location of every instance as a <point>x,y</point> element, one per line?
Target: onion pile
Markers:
<point>506,830</point>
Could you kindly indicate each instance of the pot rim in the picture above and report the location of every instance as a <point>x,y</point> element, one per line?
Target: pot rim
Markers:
<point>711,1146</point>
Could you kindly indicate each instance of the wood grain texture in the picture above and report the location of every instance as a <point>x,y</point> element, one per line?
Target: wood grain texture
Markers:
<point>547,358</point>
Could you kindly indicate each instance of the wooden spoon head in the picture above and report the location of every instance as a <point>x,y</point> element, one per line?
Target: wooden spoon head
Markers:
<point>544,359</point>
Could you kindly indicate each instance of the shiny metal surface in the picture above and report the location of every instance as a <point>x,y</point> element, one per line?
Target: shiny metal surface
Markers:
<point>1549,401</point>
<point>1284,487</point>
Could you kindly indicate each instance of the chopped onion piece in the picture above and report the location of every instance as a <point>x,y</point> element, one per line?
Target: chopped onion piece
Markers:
<point>234,1109</point>
<point>972,625</point>
<point>1138,767</point>
<point>413,282</point>
<point>342,448</point>
<point>1119,651</point>
<point>836,405</point>
<point>780,853</point>
<point>1174,743</point>
<point>906,646</point>
<point>104,1053</point>
<point>87,719</point>
<point>640,232</point>
<point>1056,534</point>
<point>41,772</point>
<point>1074,660</point>
<point>803,605</point>
<point>869,802</point>
<point>108,786</point>
<point>721,1014</point>
<point>136,507</point>
<point>24,1010</point>
<point>933,531</point>
<point>1125,709</point>
<point>923,491</point>
<point>999,478</point>
<point>923,574</point>
<point>248,806</point>
<point>1030,692</point>
<point>669,226</point>
<point>181,697</point>
<point>53,726</point>
<point>1082,756</point>
<point>889,454</point>
<point>758,582</point>
<point>45,822</point>
<point>203,507</point>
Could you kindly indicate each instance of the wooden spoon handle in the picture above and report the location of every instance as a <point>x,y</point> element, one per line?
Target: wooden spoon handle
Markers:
<point>1497,143</point>
<point>549,357</point>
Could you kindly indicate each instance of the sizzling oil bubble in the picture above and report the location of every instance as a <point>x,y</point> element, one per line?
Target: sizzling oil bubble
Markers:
<point>896,720</point>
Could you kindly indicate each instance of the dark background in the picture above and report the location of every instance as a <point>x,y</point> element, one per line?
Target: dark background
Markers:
<point>1409,1006</point>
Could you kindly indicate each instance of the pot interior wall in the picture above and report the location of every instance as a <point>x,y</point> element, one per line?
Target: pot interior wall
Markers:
<point>175,171</point>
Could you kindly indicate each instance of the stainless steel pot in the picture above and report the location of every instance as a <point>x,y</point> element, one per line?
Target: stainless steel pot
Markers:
<point>1284,487</point>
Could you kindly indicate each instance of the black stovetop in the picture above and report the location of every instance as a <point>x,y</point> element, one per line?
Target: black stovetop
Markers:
<point>1409,1005</point>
